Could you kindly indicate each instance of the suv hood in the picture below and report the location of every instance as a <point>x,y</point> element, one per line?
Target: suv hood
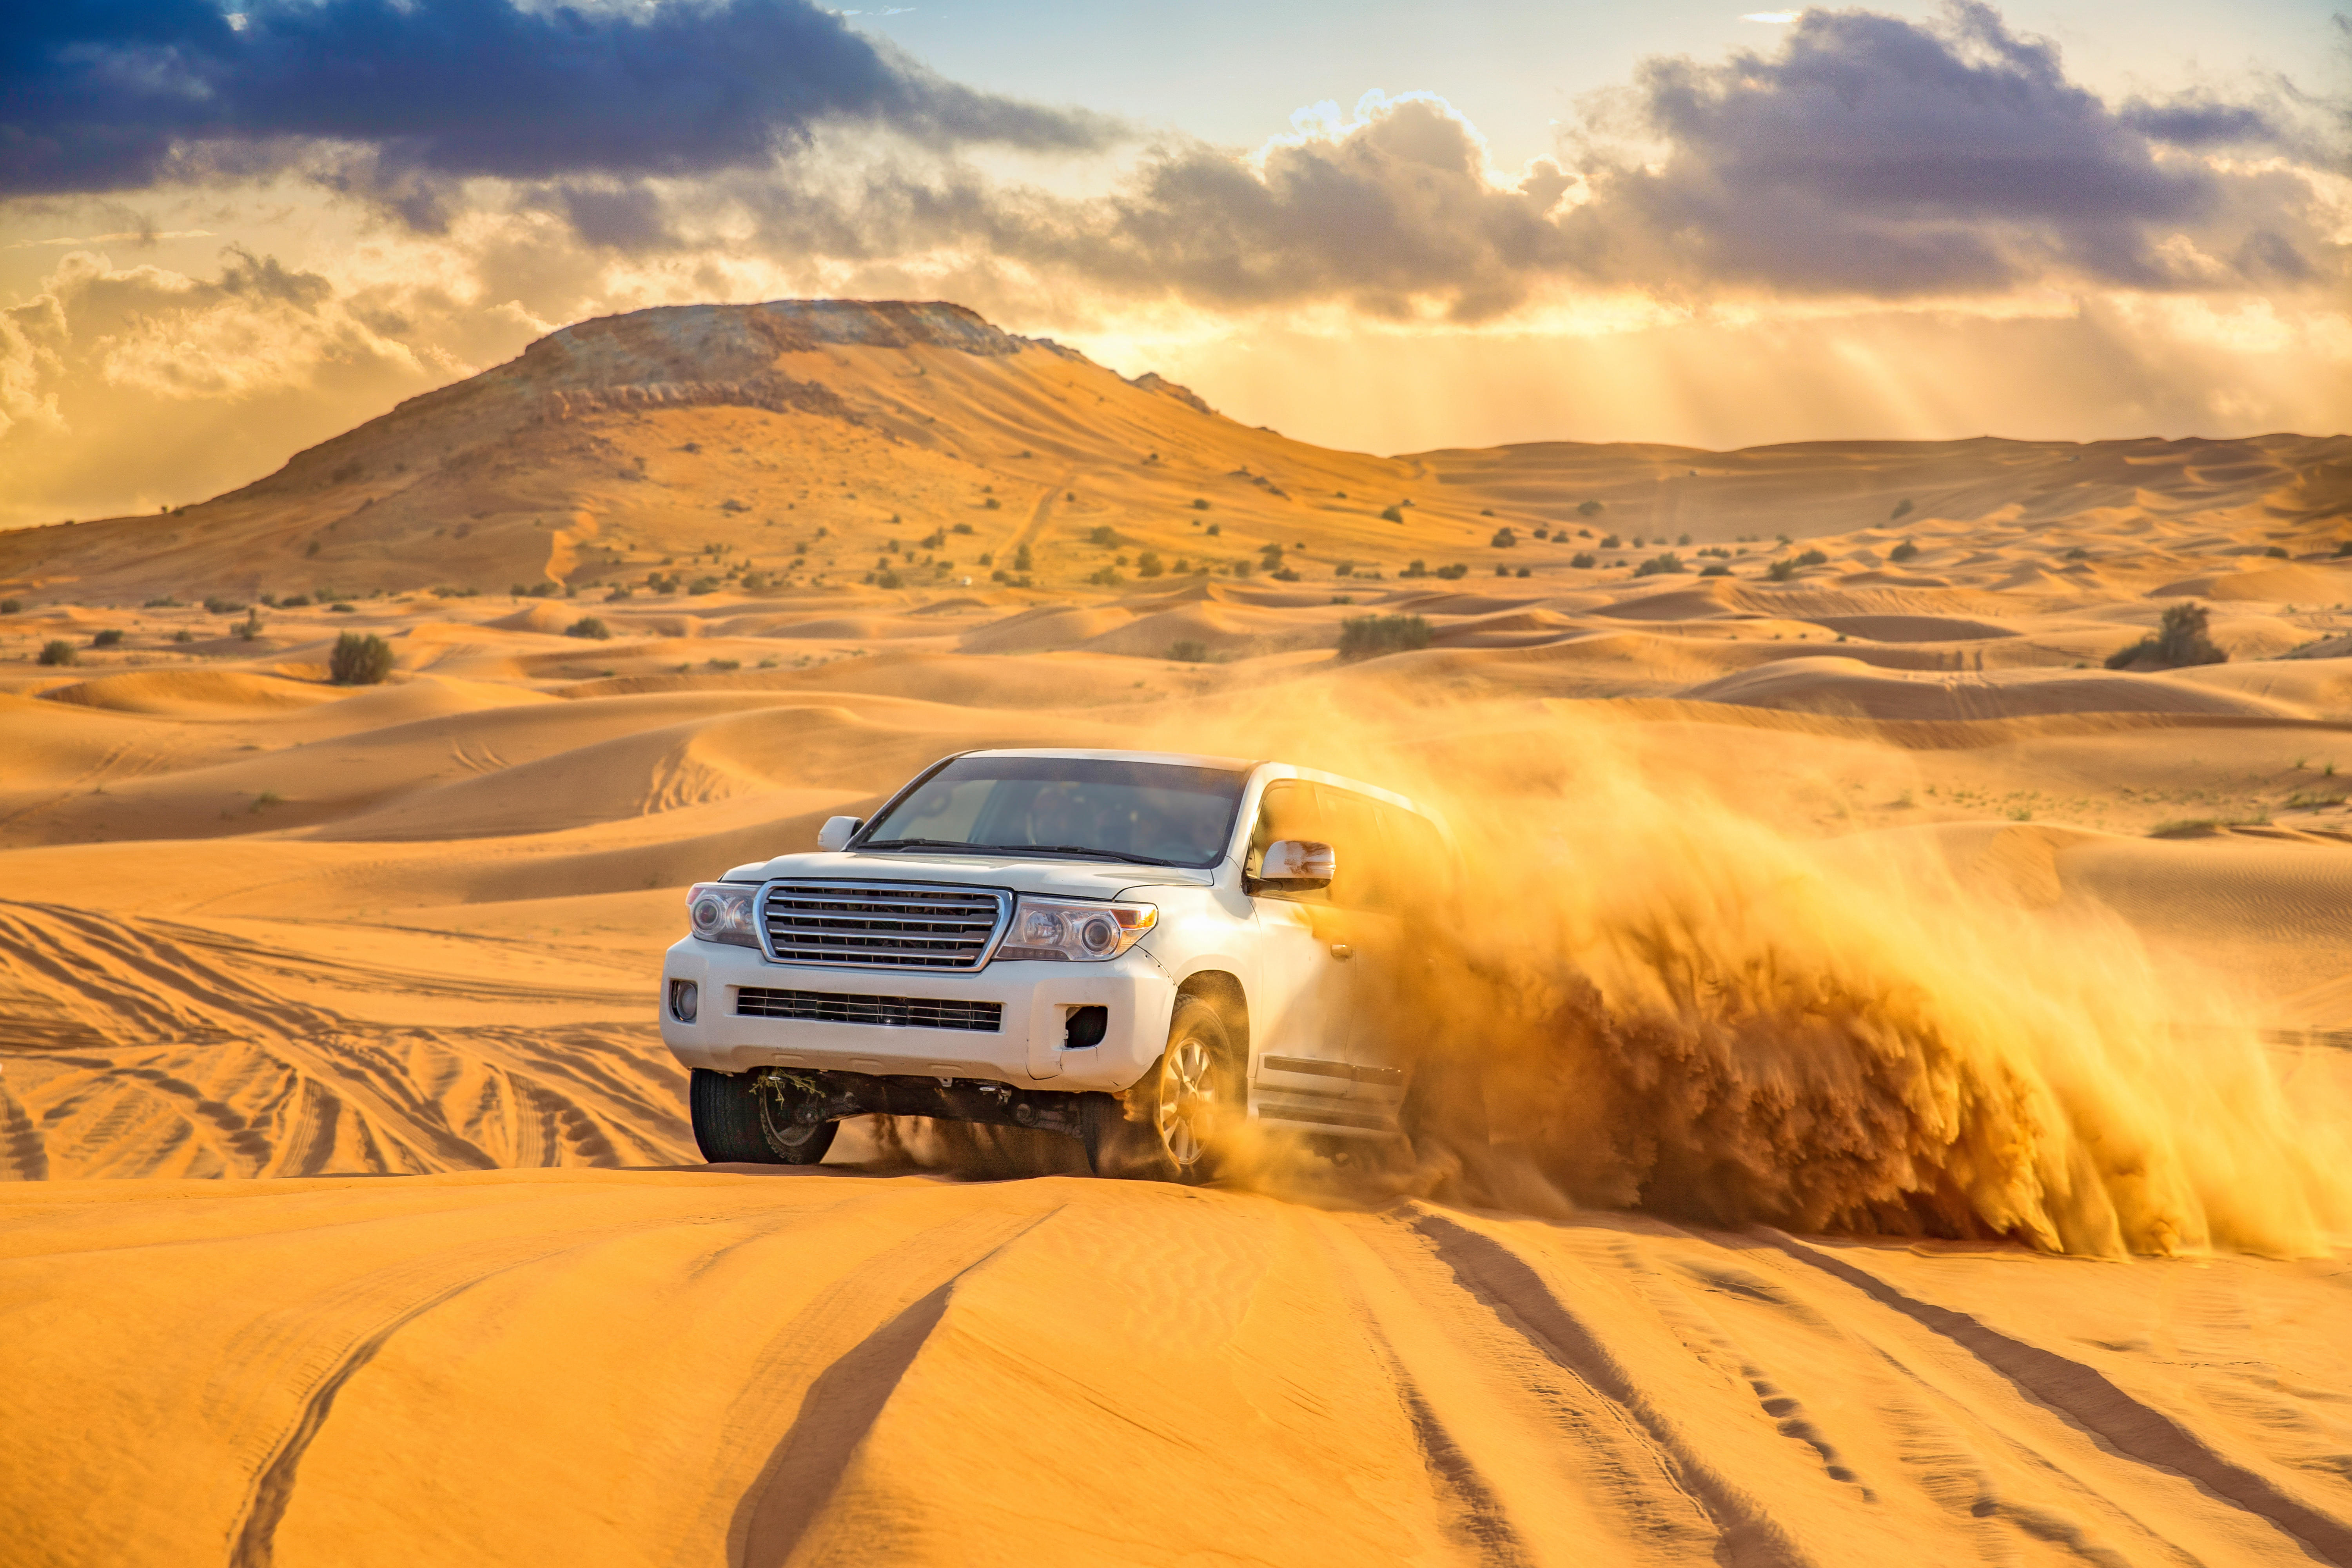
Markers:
<point>1054,879</point>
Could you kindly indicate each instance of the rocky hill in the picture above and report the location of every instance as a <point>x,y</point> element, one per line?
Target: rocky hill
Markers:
<point>887,449</point>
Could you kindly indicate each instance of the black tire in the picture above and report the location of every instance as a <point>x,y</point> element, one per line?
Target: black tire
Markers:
<point>740,1121</point>
<point>1174,1123</point>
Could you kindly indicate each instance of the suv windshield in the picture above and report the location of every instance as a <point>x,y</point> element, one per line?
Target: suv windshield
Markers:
<point>1156,813</point>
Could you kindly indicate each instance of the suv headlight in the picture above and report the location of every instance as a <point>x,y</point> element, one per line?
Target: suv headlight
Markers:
<point>721,912</point>
<point>1087,933</point>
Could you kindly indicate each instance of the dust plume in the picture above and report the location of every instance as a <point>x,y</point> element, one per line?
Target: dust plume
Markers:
<point>1658,998</point>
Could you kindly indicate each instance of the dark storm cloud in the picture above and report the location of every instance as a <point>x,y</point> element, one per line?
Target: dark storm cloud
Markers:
<point>104,95</point>
<point>1869,155</point>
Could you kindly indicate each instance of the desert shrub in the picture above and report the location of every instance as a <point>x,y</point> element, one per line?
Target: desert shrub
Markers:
<point>1504,539</point>
<point>1612,541</point>
<point>1527,571</point>
<point>11,606</point>
<point>184,635</point>
<point>705,586</point>
<point>1502,570</point>
<point>966,528</point>
<point>2276,552</point>
<point>1904,551</point>
<point>299,602</point>
<point>1021,561</point>
<point>1683,541</point>
<point>934,539</point>
<point>215,605</point>
<point>1345,569</point>
<point>1588,509</point>
<point>1414,569</point>
<point>1453,573</point>
<point>2342,550</point>
<point>588,626</point>
<point>56,650</point>
<point>992,504</point>
<point>1106,578</point>
<point>110,637</point>
<point>1189,652</point>
<point>2181,639</point>
<point>345,607</point>
<point>1812,558</point>
<point>249,627</point>
<point>1286,575</point>
<point>1902,509</point>
<point>165,602</point>
<point>1717,569</point>
<point>311,549</point>
<point>1780,571</point>
<point>1584,561</point>
<point>888,580</point>
<point>724,665</point>
<point>1199,503</point>
<point>1368,636</point>
<point>1216,530</point>
<point>360,659</point>
<point>1391,514</point>
<point>1660,565</point>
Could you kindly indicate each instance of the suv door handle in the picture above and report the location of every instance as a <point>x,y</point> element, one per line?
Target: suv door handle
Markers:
<point>1341,951</point>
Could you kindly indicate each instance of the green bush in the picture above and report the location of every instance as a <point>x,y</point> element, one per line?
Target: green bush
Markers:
<point>1659,566</point>
<point>1902,509</point>
<point>1584,561</point>
<point>56,650</point>
<point>184,635</point>
<point>110,637</point>
<point>1453,573</point>
<point>1021,561</point>
<point>1105,536</point>
<point>1904,551</point>
<point>360,659</point>
<point>1504,539</point>
<point>1108,577</point>
<point>249,627</point>
<point>1812,558</point>
<point>1612,541</point>
<point>215,605</point>
<point>704,586</point>
<point>1588,509</point>
<point>588,626</point>
<point>2181,639</point>
<point>1717,569</point>
<point>11,606</point>
<point>1370,637</point>
<point>1780,571</point>
<point>1199,503</point>
<point>1391,514</point>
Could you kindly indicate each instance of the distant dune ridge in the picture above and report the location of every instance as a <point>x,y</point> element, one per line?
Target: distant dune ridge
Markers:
<point>1840,938</point>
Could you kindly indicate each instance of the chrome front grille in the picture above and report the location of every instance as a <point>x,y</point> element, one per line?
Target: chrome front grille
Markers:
<point>892,1012</point>
<point>882,925</point>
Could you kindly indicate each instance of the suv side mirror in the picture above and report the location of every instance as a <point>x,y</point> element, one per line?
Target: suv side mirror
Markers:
<point>838,831</point>
<point>1296,866</point>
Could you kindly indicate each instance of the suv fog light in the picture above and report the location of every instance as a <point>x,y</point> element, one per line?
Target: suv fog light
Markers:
<point>1087,1027</point>
<point>684,1000</point>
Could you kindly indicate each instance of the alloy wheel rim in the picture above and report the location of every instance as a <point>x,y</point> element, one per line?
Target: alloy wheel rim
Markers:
<point>1186,1101</point>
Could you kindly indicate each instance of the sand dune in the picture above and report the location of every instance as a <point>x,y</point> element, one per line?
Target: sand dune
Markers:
<point>1807,877</point>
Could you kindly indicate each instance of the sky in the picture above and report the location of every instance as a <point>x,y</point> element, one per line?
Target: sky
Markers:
<point>226,233</point>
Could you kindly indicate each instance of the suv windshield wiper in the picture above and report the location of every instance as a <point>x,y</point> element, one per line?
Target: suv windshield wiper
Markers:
<point>1084,850</point>
<point>1012,850</point>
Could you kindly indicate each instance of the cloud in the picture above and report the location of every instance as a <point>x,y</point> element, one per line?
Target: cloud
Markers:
<point>114,96</point>
<point>1864,156</point>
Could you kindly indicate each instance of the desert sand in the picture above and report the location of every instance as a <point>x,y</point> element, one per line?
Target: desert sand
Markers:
<point>1916,1057</point>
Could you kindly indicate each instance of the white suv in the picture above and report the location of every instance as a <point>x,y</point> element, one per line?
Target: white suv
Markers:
<point>1133,949</point>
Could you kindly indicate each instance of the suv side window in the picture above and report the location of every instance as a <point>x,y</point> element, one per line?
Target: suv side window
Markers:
<point>1288,809</point>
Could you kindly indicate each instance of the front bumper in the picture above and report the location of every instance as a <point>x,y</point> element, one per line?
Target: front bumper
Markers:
<point>1028,1049</point>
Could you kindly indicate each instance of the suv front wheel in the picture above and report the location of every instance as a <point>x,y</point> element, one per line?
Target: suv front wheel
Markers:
<point>747,1119</point>
<point>1177,1119</point>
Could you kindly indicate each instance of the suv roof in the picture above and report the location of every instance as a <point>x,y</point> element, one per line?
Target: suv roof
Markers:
<point>1181,759</point>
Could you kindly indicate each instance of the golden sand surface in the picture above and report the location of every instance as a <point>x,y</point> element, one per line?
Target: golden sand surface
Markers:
<point>1916,1053</point>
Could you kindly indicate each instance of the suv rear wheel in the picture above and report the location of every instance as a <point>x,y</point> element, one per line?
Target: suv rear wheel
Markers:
<point>1174,1124</point>
<point>747,1119</point>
